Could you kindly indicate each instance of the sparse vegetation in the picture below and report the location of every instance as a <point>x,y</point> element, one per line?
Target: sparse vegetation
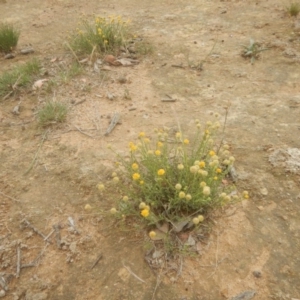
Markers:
<point>52,113</point>
<point>294,9</point>
<point>9,37</point>
<point>253,50</point>
<point>20,77</point>
<point>171,179</point>
<point>102,35</point>
<point>144,48</point>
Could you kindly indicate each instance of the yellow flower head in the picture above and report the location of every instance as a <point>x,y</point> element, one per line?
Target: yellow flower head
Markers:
<point>181,195</point>
<point>246,194</point>
<point>216,178</point>
<point>145,213</point>
<point>125,198</point>
<point>157,153</point>
<point>116,179</point>
<point>202,184</point>
<point>113,210</point>
<point>219,170</point>
<point>136,176</point>
<point>180,167</point>
<point>132,147</point>
<point>141,182</point>
<point>178,186</point>
<point>200,218</point>
<point>206,190</point>
<point>87,207</point>
<point>178,135</point>
<point>100,187</point>
<point>142,205</point>
<point>202,164</point>
<point>159,144</point>
<point>212,153</point>
<point>146,140</point>
<point>142,134</point>
<point>188,197</point>
<point>194,169</point>
<point>186,141</point>
<point>134,166</point>
<point>196,221</point>
<point>161,172</point>
<point>152,234</point>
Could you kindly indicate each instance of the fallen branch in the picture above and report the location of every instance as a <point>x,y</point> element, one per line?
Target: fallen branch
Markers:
<point>29,225</point>
<point>137,277</point>
<point>56,228</point>
<point>114,121</point>
<point>74,54</point>
<point>96,261</point>
<point>18,261</point>
<point>91,136</point>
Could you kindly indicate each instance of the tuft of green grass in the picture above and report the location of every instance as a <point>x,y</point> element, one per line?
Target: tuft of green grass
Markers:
<point>144,48</point>
<point>101,35</point>
<point>9,37</point>
<point>74,70</point>
<point>20,77</point>
<point>52,113</point>
<point>294,9</point>
<point>253,50</point>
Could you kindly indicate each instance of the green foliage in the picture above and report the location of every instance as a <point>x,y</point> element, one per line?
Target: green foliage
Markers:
<point>294,9</point>
<point>52,113</point>
<point>102,35</point>
<point>20,77</point>
<point>253,50</point>
<point>9,37</point>
<point>170,178</point>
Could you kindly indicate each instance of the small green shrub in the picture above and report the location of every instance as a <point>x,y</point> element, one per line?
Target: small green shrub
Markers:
<point>294,9</point>
<point>253,50</point>
<point>103,35</point>
<point>9,37</point>
<point>52,113</point>
<point>20,77</point>
<point>171,178</point>
<point>144,47</point>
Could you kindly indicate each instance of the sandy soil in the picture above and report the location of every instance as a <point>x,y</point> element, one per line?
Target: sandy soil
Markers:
<point>254,246</point>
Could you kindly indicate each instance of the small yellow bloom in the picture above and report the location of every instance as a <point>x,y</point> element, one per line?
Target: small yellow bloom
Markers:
<point>178,135</point>
<point>181,195</point>
<point>142,205</point>
<point>186,141</point>
<point>202,164</point>
<point>105,41</point>
<point>87,207</point>
<point>161,172</point>
<point>246,194</point>
<point>150,152</point>
<point>146,140</point>
<point>232,159</point>
<point>216,178</point>
<point>100,187</point>
<point>223,195</point>
<point>202,184</point>
<point>206,132</point>
<point>200,218</point>
<point>125,198</point>
<point>134,166</point>
<point>194,169</point>
<point>178,186</point>
<point>157,153</point>
<point>206,190</point>
<point>142,134</point>
<point>141,182</point>
<point>212,153</point>
<point>188,197</point>
<point>116,179</point>
<point>145,213</point>
<point>196,221</point>
<point>114,174</point>
<point>152,234</point>
<point>132,147</point>
<point>159,144</point>
<point>226,162</point>
<point>113,210</point>
<point>218,170</point>
<point>136,176</point>
<point>180,167</point>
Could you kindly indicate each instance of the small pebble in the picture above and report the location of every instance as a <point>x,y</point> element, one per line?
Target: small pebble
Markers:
<point>264,191</point>
<point>2,294</point>
<point>257,273</point>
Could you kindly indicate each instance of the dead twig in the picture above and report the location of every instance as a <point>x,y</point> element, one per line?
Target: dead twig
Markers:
<point>91,136</point>
<point>72,224</point>
<point>56,228</point>
<point>114,121</point>
<point>37,153</point>
<point>9,197</point>
<point>29,225</point>
<point>96,261</point>
<point>137,277</point>
<point>74,54</point>
<point>36,260</point>
<point>46,238</point>
<point>18,261</point>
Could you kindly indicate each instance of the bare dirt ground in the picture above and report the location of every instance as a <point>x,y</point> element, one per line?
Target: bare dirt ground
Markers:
<point>254,246</point>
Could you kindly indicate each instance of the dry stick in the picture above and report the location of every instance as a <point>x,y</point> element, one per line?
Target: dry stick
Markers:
<point>37,153</point>
<point>46,238</point>
<point>114,121</point>
<point>91,136</point>
<point>28,224</point>
<point>74,54</point>
<point>18,261</point>
<point>137,277</point>
<point>13,88</point>
<point>9,197</point>
<point>96,261</point>
<point>56,227</point>
<point>35,261</point>
<point>158,281</point>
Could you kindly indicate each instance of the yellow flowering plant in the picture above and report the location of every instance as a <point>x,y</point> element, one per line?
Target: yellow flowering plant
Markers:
<point>100,35</point>
<point>169,177</point>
